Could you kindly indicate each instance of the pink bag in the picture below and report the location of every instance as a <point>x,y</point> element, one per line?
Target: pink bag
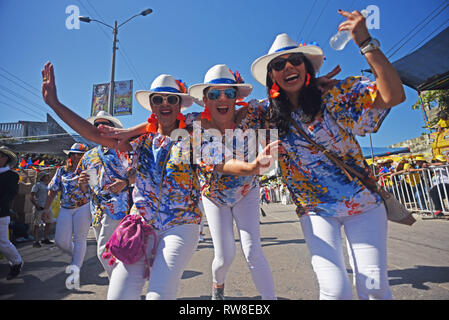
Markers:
<point>128,242</point>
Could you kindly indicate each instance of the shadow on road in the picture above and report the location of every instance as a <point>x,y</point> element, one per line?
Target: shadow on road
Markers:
<point>419,275</point>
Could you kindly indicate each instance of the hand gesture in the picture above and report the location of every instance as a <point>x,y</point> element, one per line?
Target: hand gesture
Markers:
<point>356,24</point>
<point>83,178</point>
<point>117,186</point>
<point>48,85</point>
<point>267,156</point>
<point>326,82</point>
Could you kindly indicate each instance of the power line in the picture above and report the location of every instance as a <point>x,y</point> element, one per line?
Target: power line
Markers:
<point>16,108</point>
<point>316,21</point>
<point>21,97</point>
<point>415,33</point>
<point>429,35</point>
<point>24,82</point>
<point>305,21</point>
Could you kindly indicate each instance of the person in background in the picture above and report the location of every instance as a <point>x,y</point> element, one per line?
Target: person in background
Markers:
<point>8,189</point>
<point>443,123</point>
<point>440,182</point>
<point>110,175</point>
<point>39,194</point>
<point>74,218</point>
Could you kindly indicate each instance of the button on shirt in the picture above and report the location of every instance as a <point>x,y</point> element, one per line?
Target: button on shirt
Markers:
<point>317,185</point>
<point>115,165</point>
<point>71,194</point>
<point>165,195</point>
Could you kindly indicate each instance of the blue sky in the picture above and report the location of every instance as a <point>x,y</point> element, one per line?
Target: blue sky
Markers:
<point>185,38</point>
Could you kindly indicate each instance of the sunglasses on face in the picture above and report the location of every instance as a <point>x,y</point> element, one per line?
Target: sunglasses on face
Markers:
<point>279,63</point>
<point>214,94</point>
<point>109,124</point>
<point>170,99</point>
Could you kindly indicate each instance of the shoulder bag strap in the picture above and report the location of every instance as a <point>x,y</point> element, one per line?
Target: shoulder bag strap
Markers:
<point>349,171</point>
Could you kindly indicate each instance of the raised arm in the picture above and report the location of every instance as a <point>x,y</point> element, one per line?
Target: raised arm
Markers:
<point>390,90</point>
<point>77,123</point>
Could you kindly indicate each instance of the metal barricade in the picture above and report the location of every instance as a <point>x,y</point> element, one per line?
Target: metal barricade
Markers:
<point>423,191</point>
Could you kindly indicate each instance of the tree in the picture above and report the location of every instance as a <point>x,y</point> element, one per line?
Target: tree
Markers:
<point>434,99</point>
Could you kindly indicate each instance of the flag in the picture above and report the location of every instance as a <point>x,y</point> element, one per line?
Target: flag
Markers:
<point>36,163</point>
<point>22,163</point>
<point>42,163</point>
<point>30,163</point>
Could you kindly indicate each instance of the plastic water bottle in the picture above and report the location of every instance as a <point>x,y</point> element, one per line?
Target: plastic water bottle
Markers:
<point>341,38</point>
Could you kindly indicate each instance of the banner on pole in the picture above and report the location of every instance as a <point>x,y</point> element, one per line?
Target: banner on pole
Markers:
<point>123,97</point>
<point>100,98</point>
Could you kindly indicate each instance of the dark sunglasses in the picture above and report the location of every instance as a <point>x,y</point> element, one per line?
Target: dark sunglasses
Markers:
<point>110,124</point>
<point>157,99</point>
<point>214,94</point>
<point>279,63</point>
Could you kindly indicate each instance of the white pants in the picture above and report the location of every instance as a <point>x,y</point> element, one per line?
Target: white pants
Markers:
<point>103,232</point>
<point>175,248</point>
<point>6,247</point>
<point>72,228</point>
<point>246,215</point>
<point>366,238</point>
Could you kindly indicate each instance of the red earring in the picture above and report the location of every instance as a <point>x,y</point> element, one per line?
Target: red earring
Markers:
<point>152,123</point>
<point>206,114</point>
<point>308,80</point>
<point>182,119</point>
<point>274,92</point>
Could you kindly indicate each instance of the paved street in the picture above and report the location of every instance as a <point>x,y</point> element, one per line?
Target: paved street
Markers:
<point>418,259</point>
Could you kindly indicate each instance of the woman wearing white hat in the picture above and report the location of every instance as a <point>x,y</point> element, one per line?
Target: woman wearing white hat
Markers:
<point>72,225</point>
<point>229,198</point>
<point>325,198</point>
<point>106,174</point>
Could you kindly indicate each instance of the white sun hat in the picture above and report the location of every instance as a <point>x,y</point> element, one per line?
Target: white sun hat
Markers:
<point>77,148</point>
<point>105,115</point>
<point>283,44</point>
<point>166,84</point>
<point>220,75</point>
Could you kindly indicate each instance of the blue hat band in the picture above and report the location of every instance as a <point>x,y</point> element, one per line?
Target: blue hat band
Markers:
<point>222,81</point>
<point>165,89</point>
<point>286,48</point>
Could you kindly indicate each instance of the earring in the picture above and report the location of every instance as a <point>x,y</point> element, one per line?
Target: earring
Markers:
<point>308,80</point>
<point>152,124</point>
<point>206,114</point>
<point>274,92</point>
<point>182,119</point>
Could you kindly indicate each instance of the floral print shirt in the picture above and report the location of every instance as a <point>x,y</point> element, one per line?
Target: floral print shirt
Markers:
<point>114,165</point>
<point>223,189</point>
<point>168,195</point>
<point>317,185</point>
<point>67,182</point>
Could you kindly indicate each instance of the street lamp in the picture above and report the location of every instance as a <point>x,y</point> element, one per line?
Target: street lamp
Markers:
<point>114,48</point>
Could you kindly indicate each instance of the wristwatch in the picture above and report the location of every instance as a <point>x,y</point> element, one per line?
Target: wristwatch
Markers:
<point>373,44</point>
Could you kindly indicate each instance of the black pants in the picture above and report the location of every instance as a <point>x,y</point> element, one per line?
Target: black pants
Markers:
<point>435,196</point>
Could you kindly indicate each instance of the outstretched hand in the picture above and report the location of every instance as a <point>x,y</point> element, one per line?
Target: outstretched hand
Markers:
<point>120,135</point>
<point>268,156</point>
<point>48,85</point>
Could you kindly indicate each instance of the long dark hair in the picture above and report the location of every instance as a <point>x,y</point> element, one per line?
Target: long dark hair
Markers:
<point>280,108</point>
